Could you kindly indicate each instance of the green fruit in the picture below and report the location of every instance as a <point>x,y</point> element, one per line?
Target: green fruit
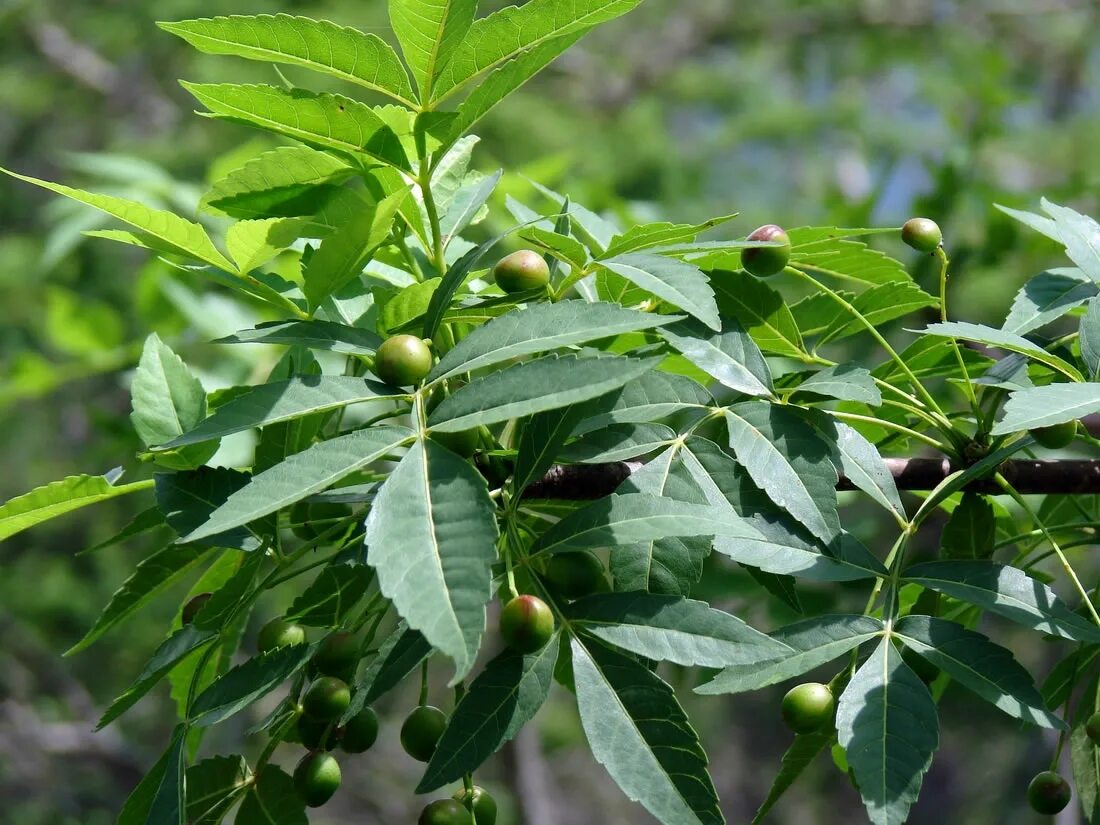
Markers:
<point>807,707</point>
<point>522,271</point>
<point>480,802</point>
<point>299,522</point>
<point>337,655</point>
<point>444,812</point>
<point>316,778</point>
<point>464,442</point>
<point>764,261</point>
<point>191,609</point>
<point>278,633</point>
<point>1056,436</point>
<point>327,698</point>
<point>1092,728</point>
<point>403,360</point>
<point>921,234</point>
<point>526,624</point>
<point>1048,793</point>
<point>316,734</point>
<point>421,730</point>
<point>576,574</point>
<point>360,732</point>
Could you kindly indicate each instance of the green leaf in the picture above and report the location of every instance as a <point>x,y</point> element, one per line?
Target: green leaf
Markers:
<point>429,31</point>
<point>671,629</point>
<point>468,205</point>
<point>1089,339</point>
<point>364,59</point>
<point>731,357</point>
<point>651,397</point>
<point>970,530</point>
<point>342,255</point>
<point>301,475</point>
<point>638,731</point>
<point>822,250</point>
<point>213,785</point>
<point>189,499</point>
<point>331,596</point>
<point>181,236</point>
<point>1081,236</point>
<point>520,390</point>
<point>541,328</point>
<point>57,498</point>
<point>1046,298</point>
<point>322,335</point>
<point>253,243</point>
<point>809,644</point>
<point>168,400</point>
<point>431,538</point>
<point>272,800</point>
<point>979,664</point>
<point>452,280</point>
<point>247,682</point>
<point>398,656</point>
<point>649,235</point>
<point>224,605</point>
<point>680,284</point>
<point>515,31</point>
<point>787,459</point>
<point>1085,757</point>
<point>886,722</point>
<point>618,442</point>
<point>148,519</point>
<point>152,576</point>
<point>501,700</point>
<point>286,400</point>
<point>325,121</point>
<point>1045,406</point>
<point>760,309</point>
<point>1044,226</point>
<point>562,247</point>
<point>846,382</point>
<point>879,304</point>
<point>796,759</point>
<point>1006,591</point>
<point>543,436</point>
<point>1003,340</point>
<point>158,798</point>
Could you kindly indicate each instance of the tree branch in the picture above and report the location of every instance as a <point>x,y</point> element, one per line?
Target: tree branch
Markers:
<point>1060,477</point>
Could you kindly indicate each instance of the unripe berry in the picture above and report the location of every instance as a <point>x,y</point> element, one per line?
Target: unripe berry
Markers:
<point>526,623</point>
<point>575,574</point>
<point>764,261</point>
<point>1092,728</point>
<point>1056,436</point>
<point>921,234</point>
<point>421,731</point>
<point>316,778</point>
<point>337,655</point>
<point>463,442</point>
<point>191,609</point>
<point>312,733</point>
<point>444,812</point>
<point>521,271</point>
<point>326,699</point>
<point>479,801</point>
<point>278,633</point>
<point>807,707</point>
<point>1048,793</point>
<point>403,360</point>
<point>360,732</point>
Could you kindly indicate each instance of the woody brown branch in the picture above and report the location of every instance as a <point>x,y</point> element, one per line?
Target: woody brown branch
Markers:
<point>1057,477</point>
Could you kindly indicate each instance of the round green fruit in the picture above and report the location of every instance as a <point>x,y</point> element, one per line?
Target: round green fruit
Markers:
<point>526,623</point>
<point>278,633</point>
<point>1092,728</point>
<point>522,271</point>
<point>921,234</point>
<point>1048,793</point>
<point>327,698</point>
<point>403,360</point>
<point>444,812</point>
<point>480,802</point>
<point>764,261</point>
<point>337,655</point>
<point>464,442</point>
<point>317,734</point>
<point>191,609</point>
<point>316,778</point>
<point>576,574</point>
<point>1056,436</point>
<point>360,732</point>
<point>421,731</point>
<point>807,707</point>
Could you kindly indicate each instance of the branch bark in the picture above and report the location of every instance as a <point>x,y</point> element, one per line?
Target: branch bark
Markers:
<point>1052,477</point>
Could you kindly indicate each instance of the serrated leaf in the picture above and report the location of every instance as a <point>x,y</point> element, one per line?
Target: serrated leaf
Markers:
<point>152,576</point>
<point>272,800</point>
<point>520,390</point>
<point>809,644</point>
<point>148,519</point>
<point>167,399</point>
<point>879,304</point>
<point>618,442</point>
<point>1085,757</point>
<point>158,798</point>
<point>398,656</point>
<point>253,243</point>
<point>651,397</point>
<point>325,121</point>
<point>364,59</point>
<point>57,498</point>
<point>1002,340</point>
<point>979,664</point>
<point>1089,339</point>
<point>331,596</point>
<point>189,499</point>
<point>649,235</point>
<point>431,538</point>
<point>826,251</point>
<point>1046,298</point>
<point>213,785</point>
<point>540,328</point>
<point>224,604</point>
<point>1007,591</point>
<point>182,236</point>
<point>970,530</point>
<point>638,731</point>
<point>469,202</point>
<point>731,357</point>
<point>760,310</point>
<point>845,382</point>
<point>286,400</point>
<point>500,701</point>
<point>429,31</point>
<point>247,682</point>
<point>323,335</point>
<point>796,759</point>
<point>543,436</point>
<point>562,247</point>
<point>1044,226</point>
<point>886,722</point>
<point>671,629</point>
<point>1049,405</point>
<point>680,284</point>
<point>1080,235</point>
<point>301,475</point>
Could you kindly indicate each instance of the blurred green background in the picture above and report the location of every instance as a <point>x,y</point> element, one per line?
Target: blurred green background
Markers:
<point>837,111</point>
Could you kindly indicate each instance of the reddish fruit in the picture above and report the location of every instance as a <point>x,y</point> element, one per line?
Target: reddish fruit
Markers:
<point>921,234</point>
<point>526,623</point>
<point>403,360</point>
<point>807,707</point>
<point>421,731</point>
<point>522,271</point>
<point>1048,793</point>
<point>764,261</point>
<point>327,699</point>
